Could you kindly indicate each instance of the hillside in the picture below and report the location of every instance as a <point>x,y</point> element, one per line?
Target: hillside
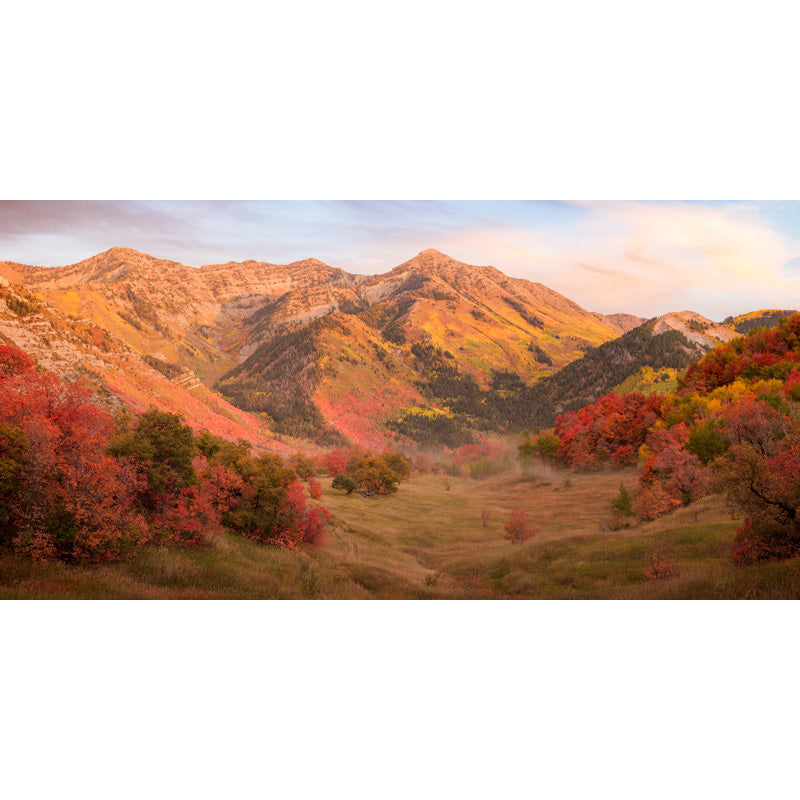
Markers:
<point>126,380</point>
<point>193,317</point>
<point>430,351</point>
<point>647,358</point>
<point>744,323</point>
<point>373,362</point>
<point>443,534</point>
<point>319,353</point>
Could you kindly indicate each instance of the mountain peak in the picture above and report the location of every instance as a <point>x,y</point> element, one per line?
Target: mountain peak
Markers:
<point>120,251</point>
<point>429,260</point>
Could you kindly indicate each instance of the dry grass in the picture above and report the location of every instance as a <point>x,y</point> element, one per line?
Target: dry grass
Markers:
<point>430,542</point>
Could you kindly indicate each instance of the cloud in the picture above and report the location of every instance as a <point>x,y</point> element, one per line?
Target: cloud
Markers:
<point>649,258</point>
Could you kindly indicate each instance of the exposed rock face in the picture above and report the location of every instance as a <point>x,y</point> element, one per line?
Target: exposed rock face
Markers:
<point>696,328</point>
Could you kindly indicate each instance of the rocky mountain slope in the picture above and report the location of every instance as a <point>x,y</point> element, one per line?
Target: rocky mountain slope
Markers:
<point>311,349</point>
<point>429,351</point>
<point>126,380</point>
<point>356,369</point>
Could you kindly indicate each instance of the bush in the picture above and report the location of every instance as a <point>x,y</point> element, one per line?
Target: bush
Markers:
<point>303,466</point>
<point>375,476</point>
<point>518,528</point>
<point>61,494</point>
<point>76,488</point>
<point>345,482</point>
<point>260,497</point>
<point>622,504</point>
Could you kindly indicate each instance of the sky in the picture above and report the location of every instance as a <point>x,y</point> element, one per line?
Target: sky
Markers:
<point>644,258</point>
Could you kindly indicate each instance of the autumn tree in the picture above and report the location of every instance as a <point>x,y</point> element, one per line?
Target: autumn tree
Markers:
<point>61,494</point>
<point>314,489</point>
<point>760,474</point>
<point>374,476</point>
<point>334,462</point>
<point>519,528</point>
<point>672,476</point>
<point>162,448</point>
<point>608,432</point>
<point>398,464</point>
<point>304,466</point>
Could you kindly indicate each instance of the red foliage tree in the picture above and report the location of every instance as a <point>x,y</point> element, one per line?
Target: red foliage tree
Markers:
<point>335,462</point>
<point>519,528</point>
<point>608,432</point>
<point>760,474</point>
<point>304,524</point>
<point>671,475</point>
<point>763,354</point>
<point>314,489</point>
<point>69,498</point>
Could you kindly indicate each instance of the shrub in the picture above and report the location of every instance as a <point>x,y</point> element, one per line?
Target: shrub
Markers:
<point>345,482</point>
<point>375,476</point>
<point>653,501</point>
<point>260,497</point>
<point>61,494</point>
<point>622,504</point>
<point>661,566</point>
<point>334,462</point>
<point>518,528</point>
<point>303,466</point>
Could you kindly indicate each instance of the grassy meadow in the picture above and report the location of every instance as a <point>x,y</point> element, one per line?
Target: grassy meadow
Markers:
<point>429,541</point>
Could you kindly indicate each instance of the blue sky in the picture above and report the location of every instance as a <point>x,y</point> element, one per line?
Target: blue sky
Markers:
<point>647,258</point>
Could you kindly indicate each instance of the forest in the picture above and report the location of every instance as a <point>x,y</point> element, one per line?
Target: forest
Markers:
<point>733,427</point>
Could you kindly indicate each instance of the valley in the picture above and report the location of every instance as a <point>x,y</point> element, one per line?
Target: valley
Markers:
<point>428,542</point>
<point>439,430</point>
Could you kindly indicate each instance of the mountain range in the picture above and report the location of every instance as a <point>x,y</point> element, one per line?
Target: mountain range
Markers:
<point>281,355</point>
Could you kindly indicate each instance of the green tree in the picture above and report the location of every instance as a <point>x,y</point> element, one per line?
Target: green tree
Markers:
<point>398,463</point>
<point>622,504</point>
<point>706,442</point>
<point>374,476</point>
<point>13,456</point>
<point>345,482</point>
<point>303,466</point>
<point>163,448</point>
